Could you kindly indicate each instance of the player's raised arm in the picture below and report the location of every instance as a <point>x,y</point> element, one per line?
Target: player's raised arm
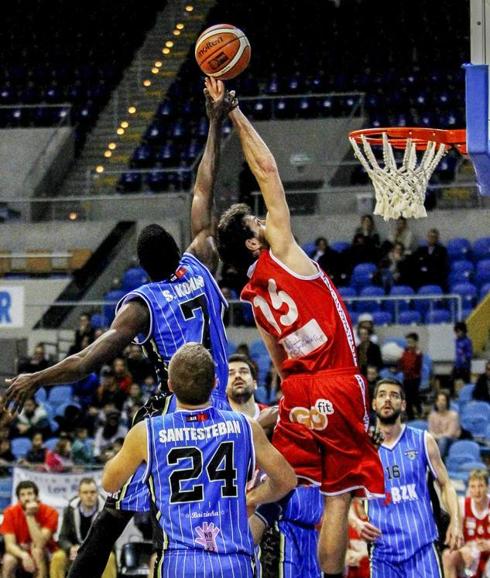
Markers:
<point>124,464</point>
<point>454,536</point>
<point>281,478</point>
<point>218,104</point>
<point>133,318</point>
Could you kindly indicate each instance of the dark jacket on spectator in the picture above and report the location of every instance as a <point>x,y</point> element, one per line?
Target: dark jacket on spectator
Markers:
<point>481,392</point>
<point>71,533</point>
<point>430,266</point>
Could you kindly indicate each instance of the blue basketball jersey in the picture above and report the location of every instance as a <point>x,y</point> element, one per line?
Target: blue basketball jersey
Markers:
<point>305,506</point>
<point>187,307</point>
<point>405,518</point>
<point>198,467</point>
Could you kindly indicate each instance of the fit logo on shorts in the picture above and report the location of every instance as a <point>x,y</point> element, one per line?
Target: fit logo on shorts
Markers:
<point>314,418</point>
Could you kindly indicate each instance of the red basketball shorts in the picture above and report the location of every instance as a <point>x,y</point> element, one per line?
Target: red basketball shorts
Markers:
<point>322,432</point>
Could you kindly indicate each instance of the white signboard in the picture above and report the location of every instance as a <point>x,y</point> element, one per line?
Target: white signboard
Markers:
<point>11,306</point>
<point>56,490</point>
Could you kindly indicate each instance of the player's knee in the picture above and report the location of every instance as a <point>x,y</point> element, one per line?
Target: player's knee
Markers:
<point>9,563</point>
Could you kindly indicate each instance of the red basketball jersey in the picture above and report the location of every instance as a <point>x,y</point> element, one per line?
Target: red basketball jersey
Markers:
<point>305,314</point>
<point>474,527</point>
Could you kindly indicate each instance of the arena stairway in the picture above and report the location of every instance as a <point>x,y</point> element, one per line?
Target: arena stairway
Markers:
<point>131,92</point>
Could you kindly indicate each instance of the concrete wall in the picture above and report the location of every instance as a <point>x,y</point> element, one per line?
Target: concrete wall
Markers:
<point>31,157</point>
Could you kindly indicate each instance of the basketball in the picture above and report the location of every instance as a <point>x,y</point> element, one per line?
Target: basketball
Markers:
<point>222,51</point>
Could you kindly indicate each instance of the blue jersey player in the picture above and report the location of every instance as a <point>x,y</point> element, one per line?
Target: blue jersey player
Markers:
<point>402,527</point>
<point>199,461</point>
<point>182,303</point>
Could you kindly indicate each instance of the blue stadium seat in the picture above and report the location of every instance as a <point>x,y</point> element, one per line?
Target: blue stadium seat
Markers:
<point>59,394</point>
<point>133,278</point>
<point>466,394</point>
<point>458,248</point>
<point>423,305</point>
<point>20,446</point>
<point>482,275</point>
<point>257,349</point>
<point>409,317</point>
<point>339,246</point>
<point>484,290</point>
<point>41,395</point>
<point>129,182</point>
<point>309,248</point>
<point>363,274</point>
<point>418,424</point>
<point>50,444</point>
<point>382,318</point>
<point>370,305</point>
<point>468,293</point>
<point>462,266</point>
<point>5,492</point>
<point>472,465</point>
<point>231,347</point>
<point>354,317</point>
<point>426,373</point>
<point>98,320</point>
<point>460,452</point>
<point>481,248</point>
<point>475,418</point>
<point>437,316</point>
<point>399,304</point>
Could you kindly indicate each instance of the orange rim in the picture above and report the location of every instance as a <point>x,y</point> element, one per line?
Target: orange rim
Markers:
<point>421,136</point>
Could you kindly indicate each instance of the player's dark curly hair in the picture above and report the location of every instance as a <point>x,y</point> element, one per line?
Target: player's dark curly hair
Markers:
<point>232,234</point>
<point>158,253</point>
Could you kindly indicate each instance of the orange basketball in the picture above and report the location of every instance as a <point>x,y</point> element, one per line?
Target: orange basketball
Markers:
<point>222,51</point>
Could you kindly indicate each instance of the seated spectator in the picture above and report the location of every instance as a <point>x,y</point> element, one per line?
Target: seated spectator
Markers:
<point>149,386</point>
<point>84,335</point>
<point>368,353</point>
<point>472,558</point>
<point>32,419</point>
<point>7,458</point>
<point>444,423</point>
<point>139,366</point>
<point>23,524</point>
<point>85,389</point>
<point>82,451</point>
<point>232,278</point>
<point>393,268</point>
<point>481,392</point>
<point>372,378</point>
<point>59,458</point>
<point>123,378</point>
<point>365,321</point>
<point>429,265</point>
<point>368,230</point>
<point>109,433</point>
<point>463,352</point>
<point>329,262</point>
<point>109,391</point>
<point>410,365</point>
<point>321,245</point>
<point>78,516</point>
<point>38,361</point>
<point>135,396</point>
<point>37,453</point>
<point>402,234</point>
<point>359,252</point>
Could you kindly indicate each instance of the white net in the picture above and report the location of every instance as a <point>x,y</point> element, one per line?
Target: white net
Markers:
<point>399,190</point>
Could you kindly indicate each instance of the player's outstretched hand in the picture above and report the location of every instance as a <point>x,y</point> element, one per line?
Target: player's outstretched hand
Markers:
<point>454,537</point>
<point>367,531</point>
<point>219,102</point>
<point>19,389</point>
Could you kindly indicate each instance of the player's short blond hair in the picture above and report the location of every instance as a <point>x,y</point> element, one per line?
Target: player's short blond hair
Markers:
<point>479,475</point>
<point>191,374</point>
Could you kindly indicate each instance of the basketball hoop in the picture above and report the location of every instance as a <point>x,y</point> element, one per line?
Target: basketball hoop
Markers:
<point>400,190</point>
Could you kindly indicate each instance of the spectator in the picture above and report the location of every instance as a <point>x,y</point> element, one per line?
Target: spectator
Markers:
<point>359,252</point>
<point>463,352</point>
<point>365,321</point>
<point>82,451</point>
<point>444,423</point>
<point>368,353</point>
<point>84,335</point>
<point>372,378</point>
<point>430,264</point>
<point>32,419</point>
<point>59,458</point>
<point>410,365</point>
<point>135,396</point>
<point>38,360</point>
<point>123,378</point>
<point>392,268</point>
<point>28,529</point>
<point>108,391</point>
<point>368,230</point>
<point>402,234</point>
<point>7,458</point>
<point>85,389</point>
<point>37,453</point>
<point>329,262</point>
<point>77,519</point>
<point>472,558</point>
<point>139,366</point>
<point>481,392</point>
<point>321,245</point>
<point>109,433</point>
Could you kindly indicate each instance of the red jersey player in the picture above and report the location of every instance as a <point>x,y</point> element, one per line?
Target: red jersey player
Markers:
<point>473,558</point>
<point>323,422</point>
